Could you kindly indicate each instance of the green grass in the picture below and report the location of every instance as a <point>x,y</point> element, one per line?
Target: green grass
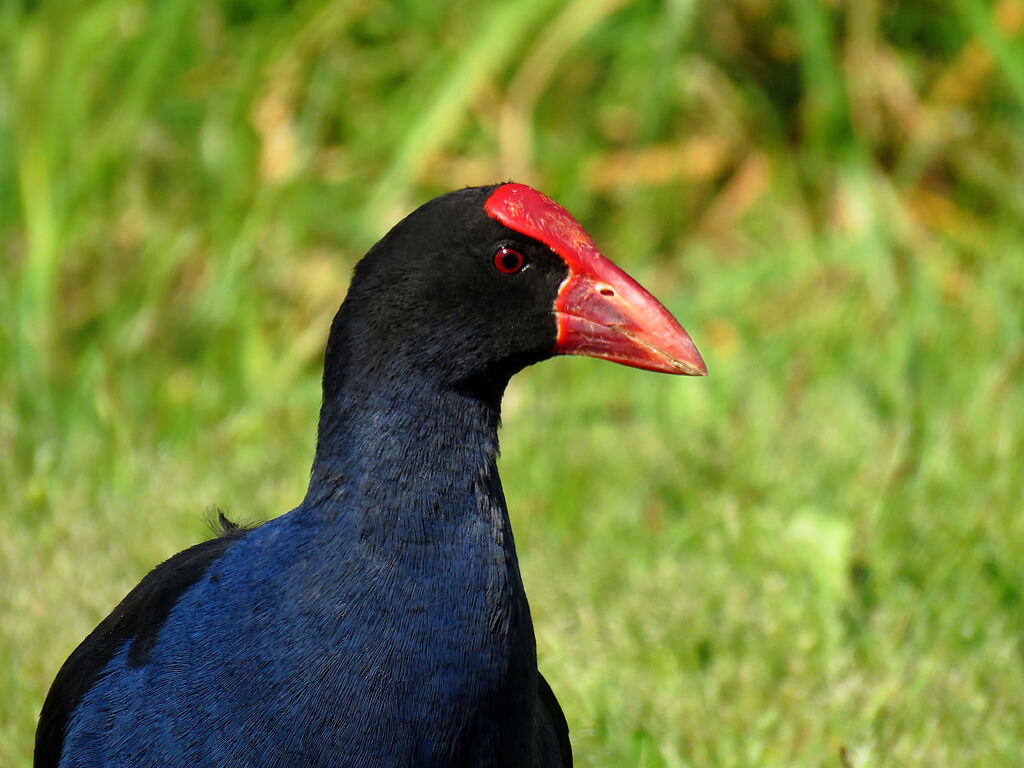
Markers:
<point>810,558</point>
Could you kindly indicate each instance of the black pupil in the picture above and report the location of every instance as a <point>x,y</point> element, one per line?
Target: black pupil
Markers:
<point>510,260</point>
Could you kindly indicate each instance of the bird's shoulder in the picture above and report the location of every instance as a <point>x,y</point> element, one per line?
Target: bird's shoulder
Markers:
<point>137,618</point>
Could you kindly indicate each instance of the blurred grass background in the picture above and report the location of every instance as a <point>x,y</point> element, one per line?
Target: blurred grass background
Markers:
<point>810,558</point>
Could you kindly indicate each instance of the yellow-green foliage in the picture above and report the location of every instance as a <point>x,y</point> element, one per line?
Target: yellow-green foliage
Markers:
<point>811,558</point>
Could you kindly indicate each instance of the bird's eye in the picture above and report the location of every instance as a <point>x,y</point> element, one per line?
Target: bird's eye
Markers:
<point>507,261</point>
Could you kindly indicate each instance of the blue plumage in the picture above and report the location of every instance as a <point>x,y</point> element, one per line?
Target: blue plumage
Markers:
<point>290,643</point>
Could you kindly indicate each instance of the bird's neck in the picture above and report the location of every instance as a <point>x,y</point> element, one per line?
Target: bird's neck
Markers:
<point>405,485</point>
<point>392,429</point>
<point>399,443</point>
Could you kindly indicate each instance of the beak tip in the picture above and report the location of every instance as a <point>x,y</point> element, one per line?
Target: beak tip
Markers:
<point>692,367</point>
<point>688,360</point>
<point>700,369</point>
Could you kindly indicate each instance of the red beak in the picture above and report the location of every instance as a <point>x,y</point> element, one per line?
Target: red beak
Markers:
<point>600,310</point>
<point>603,312</point>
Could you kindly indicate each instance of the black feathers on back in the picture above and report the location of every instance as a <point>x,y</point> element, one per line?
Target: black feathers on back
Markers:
<point>138,618</point>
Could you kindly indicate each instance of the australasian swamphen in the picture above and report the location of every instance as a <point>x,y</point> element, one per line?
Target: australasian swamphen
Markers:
<point>383,621</point>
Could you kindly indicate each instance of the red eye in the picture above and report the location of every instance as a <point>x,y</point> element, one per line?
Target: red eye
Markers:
<point>507,261</point>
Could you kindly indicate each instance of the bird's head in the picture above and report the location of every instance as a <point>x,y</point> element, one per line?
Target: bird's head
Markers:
<point>479,283</point>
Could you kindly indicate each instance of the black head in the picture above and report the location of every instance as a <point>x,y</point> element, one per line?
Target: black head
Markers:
<point>453,293</point>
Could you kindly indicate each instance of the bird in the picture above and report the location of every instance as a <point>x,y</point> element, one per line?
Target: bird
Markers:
<point>383,621</point>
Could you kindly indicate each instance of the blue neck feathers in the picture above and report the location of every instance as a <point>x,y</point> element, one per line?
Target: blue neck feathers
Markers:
<point>404,491</point>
